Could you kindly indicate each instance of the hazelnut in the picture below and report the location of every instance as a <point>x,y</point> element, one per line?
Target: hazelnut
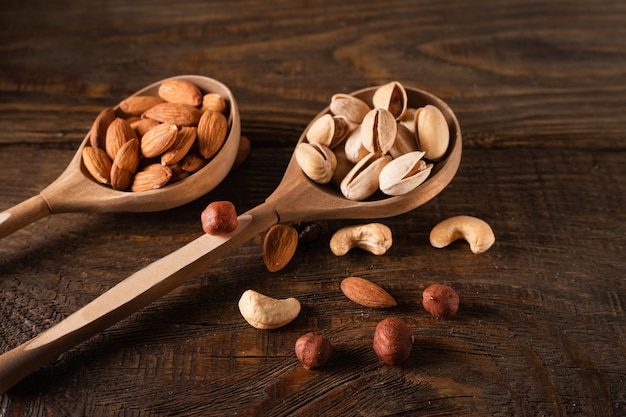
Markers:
<point>393,341</point>
<point>313,350</point>
<point>219,218</point>
<point>440,300</point>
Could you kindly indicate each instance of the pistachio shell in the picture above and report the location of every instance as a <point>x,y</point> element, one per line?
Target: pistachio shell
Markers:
<point>328,130</point>
<point>408,119</point>
<point>391,97</point>
<point>343,165</point>
<point>433,133</point>
<point>405,142</point>
<point>362,180</point>
<point>317,161</point>
<point>354,109</point>
<point>404,174</point>
<point>353,146</point>
<point>378,131</point>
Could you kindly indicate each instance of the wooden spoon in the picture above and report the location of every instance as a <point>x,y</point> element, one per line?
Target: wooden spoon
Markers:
<point>295,199</point>
<point>76,191</point>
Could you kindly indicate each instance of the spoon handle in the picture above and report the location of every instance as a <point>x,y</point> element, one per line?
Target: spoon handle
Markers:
<point>23,214</point>
<point>129,296</point>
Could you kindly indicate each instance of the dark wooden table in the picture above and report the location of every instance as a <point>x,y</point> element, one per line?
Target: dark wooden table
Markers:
<point>540,92</point>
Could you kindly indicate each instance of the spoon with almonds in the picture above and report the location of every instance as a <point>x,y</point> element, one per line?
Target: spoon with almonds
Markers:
<point>296,198</point>
<point>75,190</point>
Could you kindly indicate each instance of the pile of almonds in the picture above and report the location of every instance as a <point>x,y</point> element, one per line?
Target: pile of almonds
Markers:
<point>151,141</point>
<point>383,145</point>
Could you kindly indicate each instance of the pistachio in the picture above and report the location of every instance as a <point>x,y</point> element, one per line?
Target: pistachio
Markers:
<point>353,146</point>
<point>353,108</point>
<point>405,142</point>
<point>362,180</point>
<point>329,130</point>
<point>408,119</point>
<point>317,161</point>
<point>343,165</point>
<point>404,174</point>
<point>378,131</point>
<point>391,97</point>
<point>433,133</point>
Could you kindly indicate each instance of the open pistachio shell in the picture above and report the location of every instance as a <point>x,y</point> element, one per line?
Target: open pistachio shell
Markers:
<point>362,180</point>
<point>317,161</point>
<point>378,131</point>
<point>329,130</point>
<point>392,97</point>
<point>353,108</point>
<point>404,174</point>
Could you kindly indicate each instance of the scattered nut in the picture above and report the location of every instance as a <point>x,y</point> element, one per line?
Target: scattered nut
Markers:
<point>219,218</point>
<point>373,237</point>
<point>243,151</point>
<point>441,301</point>
<point>393,341</point>
<point>313,350</point>
<point>263,312</point>
<point>366,293</point>
<point>279,246</point>
<point>472,229</point>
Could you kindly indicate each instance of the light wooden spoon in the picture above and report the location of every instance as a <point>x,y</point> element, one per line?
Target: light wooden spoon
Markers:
<point>295,199</point>
<point>76,191</point>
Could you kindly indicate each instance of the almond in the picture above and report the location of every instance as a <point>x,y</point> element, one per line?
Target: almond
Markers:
<point>158,139</point>
<point>212,131</point>
<point>98,133</point>
<point>137,105</point>
<point>180,91</point>
<point>125,164</point>
<point>97,163</point>
<point>193,162</point>
<point>213,102</point>
<point>174,113</point>
<point>185,139</point>
<point>141,126</point>
<point>151,177</point>
<point>118,133</point>
<point>279,246</point>
<point>366,293</point>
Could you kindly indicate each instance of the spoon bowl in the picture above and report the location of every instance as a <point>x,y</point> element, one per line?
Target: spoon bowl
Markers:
<point>295,199</point>
<point>76,191</point>
<point>311,201</point>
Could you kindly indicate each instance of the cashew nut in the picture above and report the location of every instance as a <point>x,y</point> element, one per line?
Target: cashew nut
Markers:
<point>373,237</point>
<point>263,312</point>
<point>474,230</point>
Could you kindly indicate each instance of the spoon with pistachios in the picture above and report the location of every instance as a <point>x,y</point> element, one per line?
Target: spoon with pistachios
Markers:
<point>101,175</point>
<point>297,198</point>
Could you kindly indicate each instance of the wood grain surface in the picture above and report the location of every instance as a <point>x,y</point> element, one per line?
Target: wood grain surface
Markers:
<point>539,90</point>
